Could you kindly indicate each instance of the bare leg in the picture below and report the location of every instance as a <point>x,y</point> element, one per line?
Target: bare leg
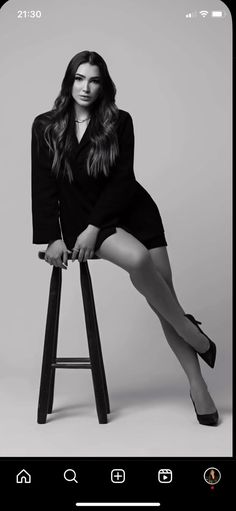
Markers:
<point>149,282</point>
<point>190,364</point>
<point>127,252</point>
<point>146,270</point>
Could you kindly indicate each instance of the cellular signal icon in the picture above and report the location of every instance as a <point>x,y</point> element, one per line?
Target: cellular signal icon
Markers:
<point>191,15</point>
<point>203,13</point>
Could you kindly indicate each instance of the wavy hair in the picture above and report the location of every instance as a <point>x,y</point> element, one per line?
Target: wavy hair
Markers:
<point>58,128</point>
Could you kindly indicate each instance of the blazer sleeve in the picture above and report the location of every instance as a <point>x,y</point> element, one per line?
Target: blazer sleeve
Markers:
<point>44,192</point>
<point>121,185</point>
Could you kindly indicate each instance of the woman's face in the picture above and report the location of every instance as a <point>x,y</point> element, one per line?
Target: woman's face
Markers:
<point>87,84</point>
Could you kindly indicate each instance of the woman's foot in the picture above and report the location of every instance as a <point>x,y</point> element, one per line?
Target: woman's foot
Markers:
<point>204,403</point>
<point>198,340</point>
<point>208,355</point>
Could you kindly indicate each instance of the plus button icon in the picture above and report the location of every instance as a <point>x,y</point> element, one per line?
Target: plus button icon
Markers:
<point>117,475</point>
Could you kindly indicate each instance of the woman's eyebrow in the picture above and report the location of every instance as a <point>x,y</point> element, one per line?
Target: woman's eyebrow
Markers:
<point>78,74</point>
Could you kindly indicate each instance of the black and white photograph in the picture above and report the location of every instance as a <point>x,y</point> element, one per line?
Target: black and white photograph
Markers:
<point>116,227</point>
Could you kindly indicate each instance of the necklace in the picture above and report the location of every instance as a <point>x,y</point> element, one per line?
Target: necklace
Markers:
<point>82,120</point>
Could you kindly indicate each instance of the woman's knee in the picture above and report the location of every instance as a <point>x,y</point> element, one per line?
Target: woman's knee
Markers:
<point>124,250</point>
<point>128,258</point>
<point>139,259</point>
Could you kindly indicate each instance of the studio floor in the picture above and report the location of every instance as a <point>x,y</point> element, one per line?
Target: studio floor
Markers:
<point>148,422</point>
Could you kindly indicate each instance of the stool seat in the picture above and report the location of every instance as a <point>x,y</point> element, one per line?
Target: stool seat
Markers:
<point>50,360</point>
<point>41,255</point>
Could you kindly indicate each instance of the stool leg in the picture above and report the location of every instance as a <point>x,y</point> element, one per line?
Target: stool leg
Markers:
<point>97,336</point>
<point>98,373</point>
<point>98,342</point>
<point>54,354</point>
<point>49,344</point>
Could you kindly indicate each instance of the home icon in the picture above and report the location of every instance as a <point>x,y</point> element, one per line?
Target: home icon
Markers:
<point>23,477</point>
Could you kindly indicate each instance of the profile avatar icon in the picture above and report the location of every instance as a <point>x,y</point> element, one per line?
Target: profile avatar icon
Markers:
<point>212,475</point>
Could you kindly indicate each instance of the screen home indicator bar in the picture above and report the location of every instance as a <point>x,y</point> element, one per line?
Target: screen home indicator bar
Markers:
<point>118,504</point>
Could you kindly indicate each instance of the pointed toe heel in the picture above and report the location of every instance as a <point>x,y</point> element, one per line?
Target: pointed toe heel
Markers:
<point>208,356</point>
<point>208,419</point>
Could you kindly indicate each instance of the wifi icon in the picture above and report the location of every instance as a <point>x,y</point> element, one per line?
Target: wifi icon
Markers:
<point>203,13</point>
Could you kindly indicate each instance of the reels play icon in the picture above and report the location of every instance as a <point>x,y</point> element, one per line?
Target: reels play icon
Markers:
<point>165,475</point>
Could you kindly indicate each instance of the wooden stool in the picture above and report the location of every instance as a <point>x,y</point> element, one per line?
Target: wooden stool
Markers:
<point>51,362</point>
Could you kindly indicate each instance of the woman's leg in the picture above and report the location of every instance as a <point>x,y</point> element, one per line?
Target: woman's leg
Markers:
<point>126,251</point>
<point>185,353</point>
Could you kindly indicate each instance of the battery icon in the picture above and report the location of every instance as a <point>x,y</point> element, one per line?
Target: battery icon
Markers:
<point>218,14</point>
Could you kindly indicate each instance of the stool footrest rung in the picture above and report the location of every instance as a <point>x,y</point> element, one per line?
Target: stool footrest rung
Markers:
<point>73,359</point>
<point>78,365</point>
<point>72,363</point>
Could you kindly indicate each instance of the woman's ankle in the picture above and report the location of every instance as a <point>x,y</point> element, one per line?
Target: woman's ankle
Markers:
<point>197,383</point>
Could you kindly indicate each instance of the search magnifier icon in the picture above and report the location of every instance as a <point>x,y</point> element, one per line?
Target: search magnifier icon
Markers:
<point>70,475</point>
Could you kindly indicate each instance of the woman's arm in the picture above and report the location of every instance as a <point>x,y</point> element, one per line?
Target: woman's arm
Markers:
<point>44,193</point>
<point>121,185</point>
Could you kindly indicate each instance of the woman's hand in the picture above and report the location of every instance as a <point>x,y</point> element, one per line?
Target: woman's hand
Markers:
<point>85,243</point>
<point>57,254</point>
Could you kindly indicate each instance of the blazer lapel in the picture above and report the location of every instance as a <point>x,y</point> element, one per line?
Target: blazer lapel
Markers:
<point>84,140</point>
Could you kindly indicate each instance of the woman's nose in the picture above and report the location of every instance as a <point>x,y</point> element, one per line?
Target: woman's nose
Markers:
<point>86,87</point>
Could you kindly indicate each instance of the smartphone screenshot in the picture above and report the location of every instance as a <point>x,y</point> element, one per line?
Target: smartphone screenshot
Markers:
<point>116,236</point>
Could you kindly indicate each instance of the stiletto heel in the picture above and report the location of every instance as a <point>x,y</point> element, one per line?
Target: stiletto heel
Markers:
<point>208,419</point>
<point>208,356</point>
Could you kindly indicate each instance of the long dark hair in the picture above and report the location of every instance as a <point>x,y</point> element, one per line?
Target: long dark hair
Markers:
<point>104,115</point>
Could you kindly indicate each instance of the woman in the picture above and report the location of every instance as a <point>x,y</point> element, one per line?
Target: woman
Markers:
<point>85,199</point>
<point>212,476</point>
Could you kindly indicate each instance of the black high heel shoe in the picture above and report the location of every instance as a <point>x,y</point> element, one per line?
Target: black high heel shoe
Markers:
<point>208,356</point>
<point>208,419</point>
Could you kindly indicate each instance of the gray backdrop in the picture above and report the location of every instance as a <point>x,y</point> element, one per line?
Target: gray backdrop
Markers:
<point>173,74</point>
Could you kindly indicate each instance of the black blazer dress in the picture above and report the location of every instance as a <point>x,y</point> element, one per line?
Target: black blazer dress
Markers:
<point>62,210</point>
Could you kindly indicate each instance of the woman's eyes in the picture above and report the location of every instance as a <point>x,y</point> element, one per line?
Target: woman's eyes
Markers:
<point>79,78</point>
